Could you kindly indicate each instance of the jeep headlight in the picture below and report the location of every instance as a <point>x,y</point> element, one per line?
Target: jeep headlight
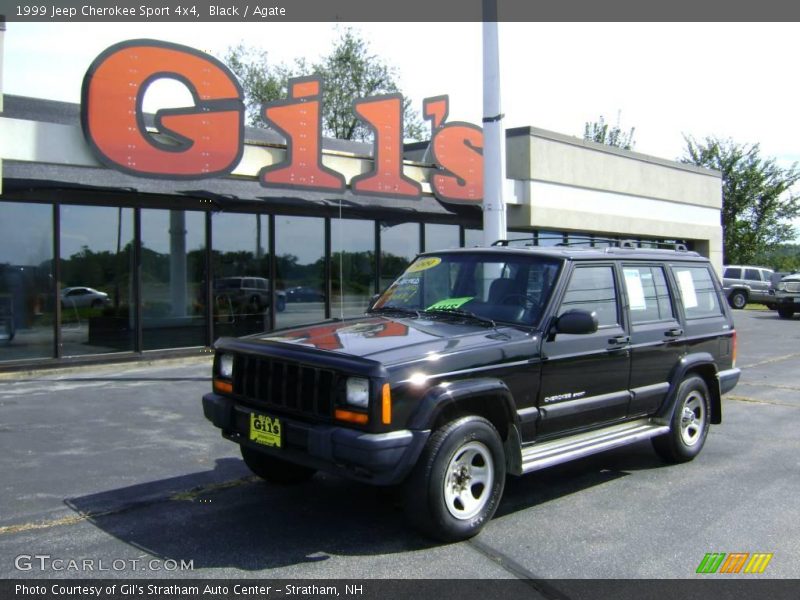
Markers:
<point>225,369</point>
<point>781,287</point>
<point>357,392</point>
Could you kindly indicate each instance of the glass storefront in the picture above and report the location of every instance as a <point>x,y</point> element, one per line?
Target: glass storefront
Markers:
<point>241,288</point>
<point>27,285</point>
<point>96,280</point>
<point>173,273</point>
<point>300,269</point>
<point>441,237</point>
<point>399,245</point>
<point>353,267</point>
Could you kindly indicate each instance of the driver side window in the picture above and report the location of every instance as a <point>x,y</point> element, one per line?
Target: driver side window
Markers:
<point>593,289</point>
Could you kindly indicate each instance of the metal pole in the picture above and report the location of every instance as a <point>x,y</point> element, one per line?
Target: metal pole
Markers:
<point>494,147</point>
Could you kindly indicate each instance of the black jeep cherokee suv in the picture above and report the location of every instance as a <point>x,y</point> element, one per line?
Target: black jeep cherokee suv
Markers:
<point>478,363</point>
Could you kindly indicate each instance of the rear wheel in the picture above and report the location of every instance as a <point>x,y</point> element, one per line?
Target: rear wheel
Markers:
<point>785,312</point>
<point>738,299</point>
<point>689,425</point>
<point>455,488</point>
<point>275,470</point>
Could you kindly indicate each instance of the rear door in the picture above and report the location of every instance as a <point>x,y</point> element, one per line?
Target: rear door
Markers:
<point>657,338</point>
<point>585,377</point>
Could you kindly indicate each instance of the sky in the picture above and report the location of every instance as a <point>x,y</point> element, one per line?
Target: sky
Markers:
<point>731,80</point>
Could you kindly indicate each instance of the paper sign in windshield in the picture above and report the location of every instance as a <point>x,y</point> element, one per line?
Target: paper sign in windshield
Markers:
<point>424,264</point>
<point>450,303</point>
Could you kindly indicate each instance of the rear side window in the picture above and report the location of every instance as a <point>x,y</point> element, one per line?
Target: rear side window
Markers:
<point>697,291</point>
<point>732,273</point>
<point>648,294</point>
<point>752,274</point>
<point>593,289</point>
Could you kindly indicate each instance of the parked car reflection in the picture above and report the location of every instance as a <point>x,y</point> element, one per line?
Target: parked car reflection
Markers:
<point>304,294</point>
<point>80,297</point>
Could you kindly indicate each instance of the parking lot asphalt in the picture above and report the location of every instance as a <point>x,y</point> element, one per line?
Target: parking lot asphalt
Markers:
<point>117,463</point>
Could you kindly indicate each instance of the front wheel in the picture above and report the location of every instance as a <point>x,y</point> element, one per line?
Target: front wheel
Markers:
<point>275,470</point>
<point>785,312</point>
<point>455,488</point>
<point>689,425</point>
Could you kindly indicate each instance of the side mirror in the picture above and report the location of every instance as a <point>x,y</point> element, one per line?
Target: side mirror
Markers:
<point>577,322</point>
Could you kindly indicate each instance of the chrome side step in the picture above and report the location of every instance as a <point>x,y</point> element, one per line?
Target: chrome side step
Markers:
<point>546,454</point>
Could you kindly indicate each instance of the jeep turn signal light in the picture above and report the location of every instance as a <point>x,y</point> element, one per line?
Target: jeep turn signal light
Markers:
<point>733,364</point>
<point>351,417</point>
<point>386,405</point>
<point>223,387</point>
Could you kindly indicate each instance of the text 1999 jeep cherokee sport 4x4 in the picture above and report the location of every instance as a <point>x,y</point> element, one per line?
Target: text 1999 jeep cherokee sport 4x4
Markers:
<point>478,363</point>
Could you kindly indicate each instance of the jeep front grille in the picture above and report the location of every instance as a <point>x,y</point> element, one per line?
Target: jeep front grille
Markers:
<point>285,386</point>
<point>792,286</point>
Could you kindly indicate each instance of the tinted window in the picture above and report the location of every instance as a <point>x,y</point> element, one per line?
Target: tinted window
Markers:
<point>648,294</point>
<point>732,273</point>
<point>593,289</point>
<point>752,274</point>
<point>698,292</point>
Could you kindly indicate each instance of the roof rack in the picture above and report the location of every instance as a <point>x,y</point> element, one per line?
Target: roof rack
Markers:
<point>614,243</point>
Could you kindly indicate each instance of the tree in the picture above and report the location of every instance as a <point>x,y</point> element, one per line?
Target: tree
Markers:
<point>757,202</point>
<point>348,72</point>
<point>598,131</point>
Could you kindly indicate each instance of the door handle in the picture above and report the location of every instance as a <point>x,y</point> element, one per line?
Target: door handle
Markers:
<point>674,332</point>
<point>619,340</point>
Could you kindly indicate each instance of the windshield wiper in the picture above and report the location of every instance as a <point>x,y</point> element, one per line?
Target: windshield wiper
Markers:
<point>396,310</point>
<point>458,313</point>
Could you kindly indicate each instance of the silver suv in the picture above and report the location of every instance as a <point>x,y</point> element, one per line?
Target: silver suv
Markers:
<point>743,284</point>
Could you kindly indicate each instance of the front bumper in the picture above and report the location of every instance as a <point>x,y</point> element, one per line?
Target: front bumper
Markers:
<point>787,299</point>
<point>376,458</point>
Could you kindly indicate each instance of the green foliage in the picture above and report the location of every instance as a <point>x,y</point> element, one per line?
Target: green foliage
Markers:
<point>599,131</point>
<point>757,202</point>
<point>348,72</point>
<point>785,257</point>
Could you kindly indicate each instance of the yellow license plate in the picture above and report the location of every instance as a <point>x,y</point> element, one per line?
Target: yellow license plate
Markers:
<point>265,430</point>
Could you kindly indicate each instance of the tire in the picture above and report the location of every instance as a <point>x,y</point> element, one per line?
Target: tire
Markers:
<point>275,470</point>
<point>785,312</point>
<point>689,425</point>
<point>456,485</point>
<point>738,299</point>
<point>96,303</point>
<point>281,304</point>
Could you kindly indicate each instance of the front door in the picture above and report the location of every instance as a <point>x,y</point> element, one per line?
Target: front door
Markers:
<point>585,377</point>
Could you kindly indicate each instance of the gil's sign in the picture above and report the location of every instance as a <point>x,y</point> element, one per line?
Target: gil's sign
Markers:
<point>207,139</point>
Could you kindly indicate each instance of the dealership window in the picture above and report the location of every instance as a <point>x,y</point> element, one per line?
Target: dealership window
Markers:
<point>173,276</point>
<point>300,265</point>
<point>441,237</point>
<point>352,266</point>
<point>473,238</point>
<point>399,246</point>
<point>96,286</point>
<point>549,238</point>
<point>241,289</point>
<point>27,287</point>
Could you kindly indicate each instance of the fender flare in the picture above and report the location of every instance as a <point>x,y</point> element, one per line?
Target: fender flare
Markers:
<point>704,365</point>
<point>453,395</point>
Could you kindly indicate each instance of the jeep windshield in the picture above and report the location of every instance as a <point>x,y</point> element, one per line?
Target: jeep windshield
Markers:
<point>506,288</point>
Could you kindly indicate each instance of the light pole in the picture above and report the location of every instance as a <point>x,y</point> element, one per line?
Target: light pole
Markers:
<point>494,143</point>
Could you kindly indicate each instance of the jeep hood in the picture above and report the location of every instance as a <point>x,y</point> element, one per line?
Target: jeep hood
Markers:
<point>393,341</point>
